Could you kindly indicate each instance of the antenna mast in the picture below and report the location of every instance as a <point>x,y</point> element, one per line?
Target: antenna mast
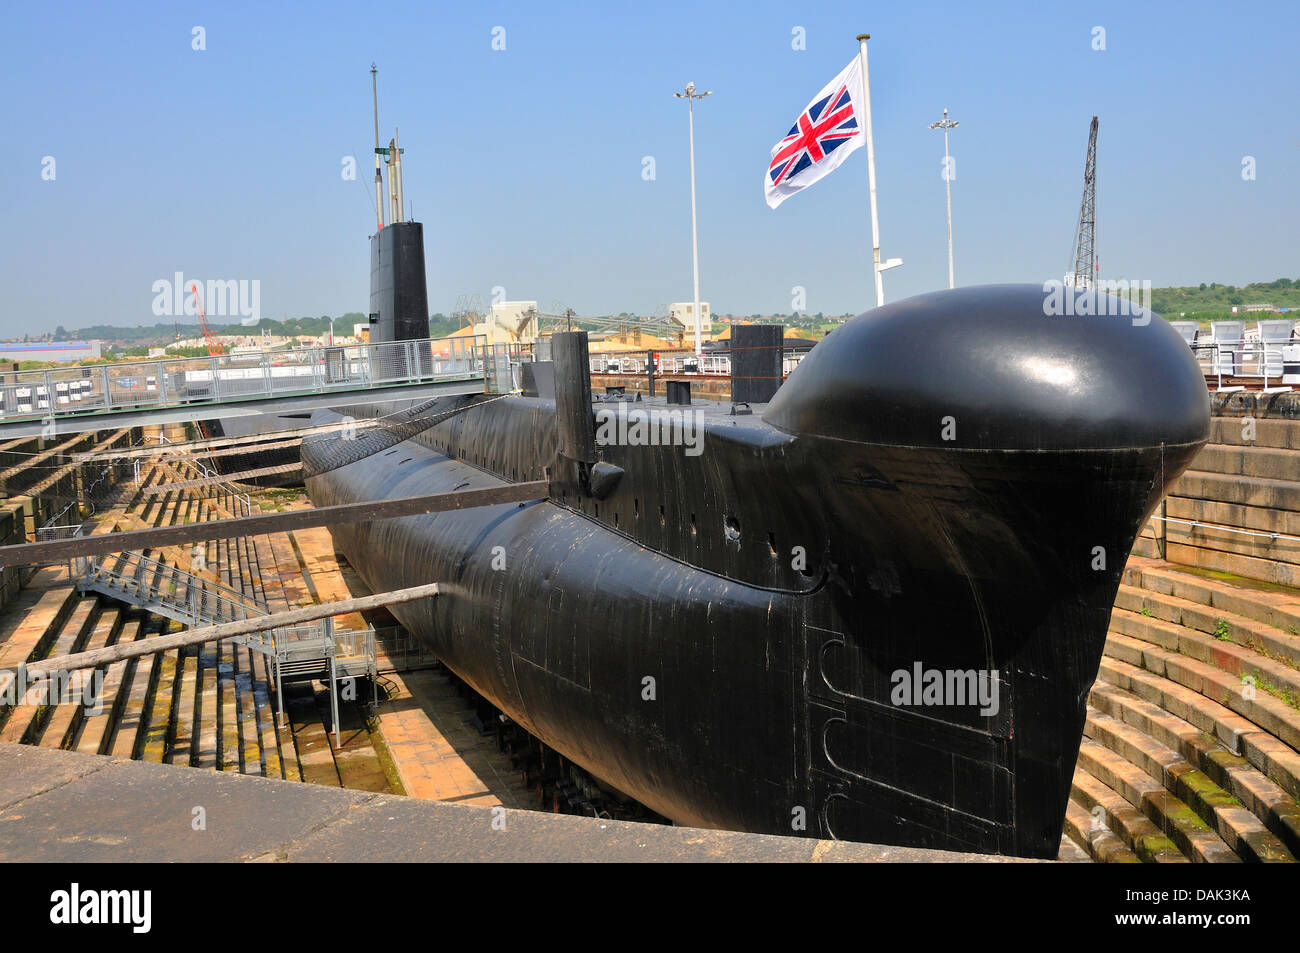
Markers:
<point>398,215</point>
<point>1084,273</point>
<point>393,156</point>
<point>379,178</point>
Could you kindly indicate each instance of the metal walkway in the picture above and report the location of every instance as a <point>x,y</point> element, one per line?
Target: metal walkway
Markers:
<point>109,396</point>
<point>316,651</point>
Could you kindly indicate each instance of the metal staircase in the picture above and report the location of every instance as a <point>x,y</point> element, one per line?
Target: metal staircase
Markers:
<point>233,493</point>
<point>164,589</point>
<point>316,651</point>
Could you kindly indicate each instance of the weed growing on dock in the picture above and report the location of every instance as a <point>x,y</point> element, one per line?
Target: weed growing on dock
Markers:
<point>1277,691</point>
<point>1276,657</point>
<point>277,498</point>
<point>1221,630</point>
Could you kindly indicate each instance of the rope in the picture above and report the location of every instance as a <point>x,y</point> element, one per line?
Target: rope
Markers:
<point>377,439</point>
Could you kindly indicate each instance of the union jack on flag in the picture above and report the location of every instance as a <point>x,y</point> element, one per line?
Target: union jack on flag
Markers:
<point>823,136</point>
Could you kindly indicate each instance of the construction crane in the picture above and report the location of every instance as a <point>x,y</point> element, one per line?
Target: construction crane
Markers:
<point>1084,272</point>
<point>214,346</point>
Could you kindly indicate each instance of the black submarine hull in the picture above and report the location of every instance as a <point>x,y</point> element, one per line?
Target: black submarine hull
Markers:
<point>871,613</point>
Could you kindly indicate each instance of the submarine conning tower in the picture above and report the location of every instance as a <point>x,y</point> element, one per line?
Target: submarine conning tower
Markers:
<point>399,298</point>
<point>399,302</point>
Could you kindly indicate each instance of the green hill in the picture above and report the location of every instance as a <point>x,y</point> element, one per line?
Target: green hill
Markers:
<point>1215,298</point>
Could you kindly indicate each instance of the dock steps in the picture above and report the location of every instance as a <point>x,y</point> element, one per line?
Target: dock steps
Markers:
<point>1193,724</point>
<point>207,706</point>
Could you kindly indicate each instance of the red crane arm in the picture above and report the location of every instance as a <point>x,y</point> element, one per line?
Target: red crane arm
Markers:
<point>210,339</point>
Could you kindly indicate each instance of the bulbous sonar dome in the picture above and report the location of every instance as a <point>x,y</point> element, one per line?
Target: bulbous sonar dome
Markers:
<point>1008,367</point>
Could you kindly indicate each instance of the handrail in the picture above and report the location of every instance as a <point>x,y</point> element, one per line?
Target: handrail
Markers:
<point>1228,529</point>
<point>210,474</point>
<point>52,530</point>
<point>153,384</point>
<point>117,569</point>
<point>152,584</point>
<point>1263,355</point>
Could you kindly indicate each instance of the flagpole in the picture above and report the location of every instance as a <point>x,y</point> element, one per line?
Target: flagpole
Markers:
<point>871,171</point>
<point>690,95</point>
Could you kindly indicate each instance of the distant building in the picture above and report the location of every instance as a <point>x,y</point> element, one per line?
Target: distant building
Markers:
<point>508,322</point>
<point>60,351</point>
<point>1258,307</point>
<point>683,312</point>
<point>512,322</point>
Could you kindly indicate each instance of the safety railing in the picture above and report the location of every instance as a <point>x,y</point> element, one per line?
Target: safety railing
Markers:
<point>151,583</point>
<point>54,529</point>
<point>1248,358</point>
<point>501,363</point>
<point>238,376</point>
<point>308,649</point>
<point>317,650</point>
<point>354,643</point>
<point>1219,527</point>
<point>207,473</point>
<point>676,362</point>
<point>403,650</point>
<point>293,644</point>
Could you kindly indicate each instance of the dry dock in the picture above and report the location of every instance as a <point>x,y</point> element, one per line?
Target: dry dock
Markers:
<point>1191,749</point>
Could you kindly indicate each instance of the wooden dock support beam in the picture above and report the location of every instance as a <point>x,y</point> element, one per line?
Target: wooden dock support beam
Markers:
<point>55,551</point>
<point>276,620</point>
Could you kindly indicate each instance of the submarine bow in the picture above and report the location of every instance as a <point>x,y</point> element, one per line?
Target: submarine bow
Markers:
<point>872,611</point>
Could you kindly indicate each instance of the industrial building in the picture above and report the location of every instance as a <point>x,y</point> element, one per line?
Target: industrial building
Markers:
<point>64,352</point>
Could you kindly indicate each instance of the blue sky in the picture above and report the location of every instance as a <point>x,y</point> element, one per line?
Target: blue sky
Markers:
<point>526,164</point>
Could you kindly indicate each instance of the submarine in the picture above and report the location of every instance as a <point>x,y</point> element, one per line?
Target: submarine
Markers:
<point>869,607</point>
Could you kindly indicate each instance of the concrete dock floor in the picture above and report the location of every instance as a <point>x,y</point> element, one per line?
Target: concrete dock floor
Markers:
<point>146,812</point>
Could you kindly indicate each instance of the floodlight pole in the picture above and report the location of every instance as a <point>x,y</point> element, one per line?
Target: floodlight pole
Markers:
<point>945,124</point>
